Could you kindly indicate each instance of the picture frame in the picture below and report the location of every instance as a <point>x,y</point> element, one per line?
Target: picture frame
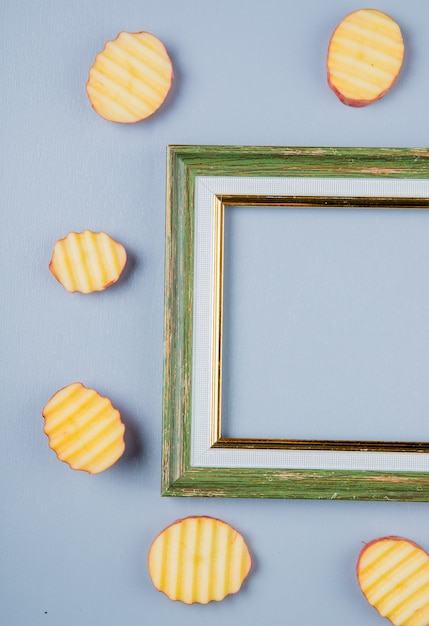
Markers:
<point>197,459</point>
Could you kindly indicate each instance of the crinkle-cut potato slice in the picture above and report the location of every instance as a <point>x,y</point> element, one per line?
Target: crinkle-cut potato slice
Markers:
<point>393,574</point>
<point>84,429</point>
<point>365,56</point>
<point>87,261</point>
<point>130,78</point>
<point>199,559</point>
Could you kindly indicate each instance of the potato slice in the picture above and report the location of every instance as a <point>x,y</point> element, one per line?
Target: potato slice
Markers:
<point>393,574</point>
<point>365,56</point>
<point>199,559</point>
<point>130,78</point>
<point>87,261</point>
<point>84,429</point>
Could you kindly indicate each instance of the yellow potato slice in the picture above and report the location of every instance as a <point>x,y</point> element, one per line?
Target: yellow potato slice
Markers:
<point>87,261</point>
<point>365,56</point>
<point>130,78</point>
<point>393,574</point>
<point>84,429</point>
<point>199,559</point>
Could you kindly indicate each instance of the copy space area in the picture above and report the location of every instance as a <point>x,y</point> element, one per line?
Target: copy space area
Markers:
<point>326,324</point>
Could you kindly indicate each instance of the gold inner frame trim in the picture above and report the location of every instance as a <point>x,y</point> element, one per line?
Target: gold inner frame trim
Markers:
<point>220,203</point>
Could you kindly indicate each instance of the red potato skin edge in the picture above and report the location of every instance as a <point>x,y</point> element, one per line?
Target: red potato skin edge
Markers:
<point>379,540</point>
<point>49,443</point>
<point>106,285</point>
<point>44,417</point>
<point>351,102</point>
<point>141,32</point>
<point>178,521</point>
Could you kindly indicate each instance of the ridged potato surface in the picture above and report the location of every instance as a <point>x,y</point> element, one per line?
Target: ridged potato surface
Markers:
<point>84,429</point>
<point>393,574</point>
<point>365,56</point>
<point>87,261</point>
<point>130,78</point>
<point>199,559</point>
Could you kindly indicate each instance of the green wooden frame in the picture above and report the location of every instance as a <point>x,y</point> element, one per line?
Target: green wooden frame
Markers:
<point>396,178</point>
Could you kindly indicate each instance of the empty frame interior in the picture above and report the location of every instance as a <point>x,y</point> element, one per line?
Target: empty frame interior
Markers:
<point>375,221</point>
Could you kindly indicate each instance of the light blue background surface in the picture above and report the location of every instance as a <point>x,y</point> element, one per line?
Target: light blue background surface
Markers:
<point>74,547</point>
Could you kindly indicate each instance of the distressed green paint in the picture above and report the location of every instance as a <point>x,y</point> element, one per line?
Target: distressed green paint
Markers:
<point>178,477</point>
